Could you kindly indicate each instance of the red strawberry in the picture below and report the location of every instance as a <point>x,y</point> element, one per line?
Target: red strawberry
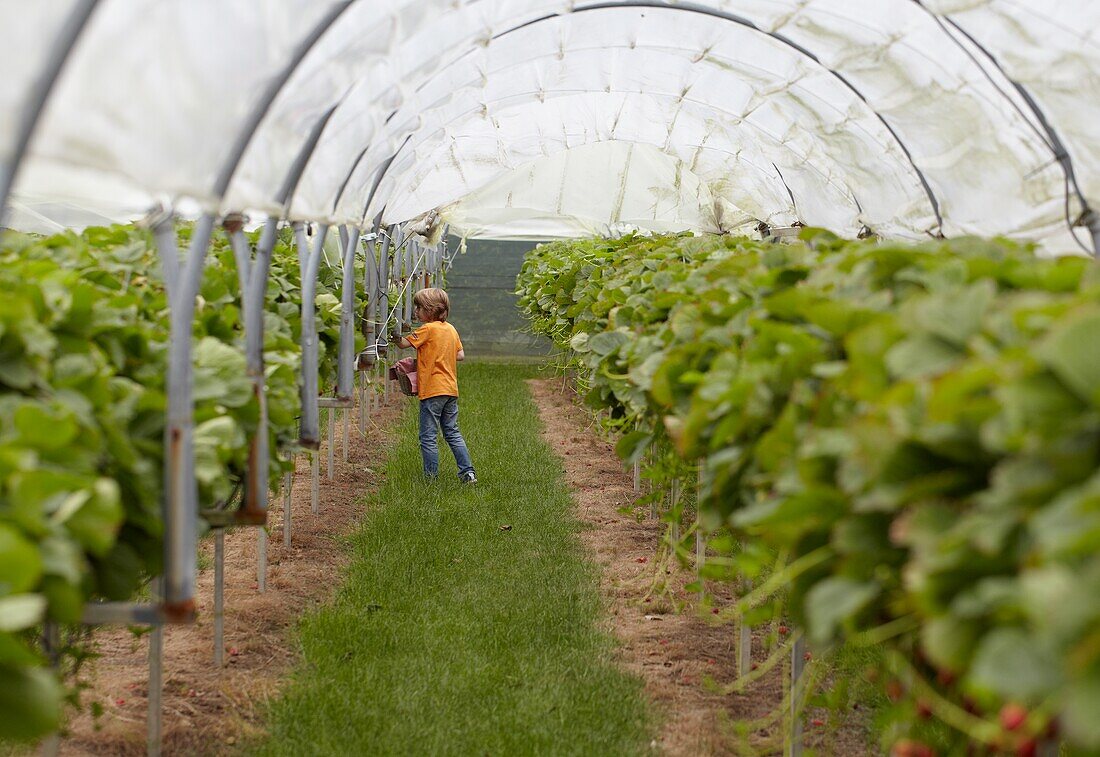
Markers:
<point>1013,716</point>
<point>783,630</point>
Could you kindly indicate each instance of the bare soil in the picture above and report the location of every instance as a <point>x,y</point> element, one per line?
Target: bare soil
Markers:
<point>675,645</point>
<point>206,709</point>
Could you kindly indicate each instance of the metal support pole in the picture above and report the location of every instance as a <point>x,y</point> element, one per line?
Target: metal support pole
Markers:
<point>674,505</point>
<point>51,645</point>
<point>345,370</point>
<point>288,482</point>
<point>370,289</point>
<point>346,413</point>
<point>383,312</point>
<point>315,481</point>
<point>309,260</point>
<point>410,278</point>
<point>362,405</point>
<point>330,473</point>
<point>700,551</point>
<point>219,597</point>
<point>253,275</point>
<point>261,560</point>
<point>1093,222</point>
<point>156,678</point>
<point>798,662</point>
<point>744,648</point>
<point>180,485</point>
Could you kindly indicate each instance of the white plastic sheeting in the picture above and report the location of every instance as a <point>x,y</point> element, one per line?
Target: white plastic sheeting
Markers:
<point>536,118</point>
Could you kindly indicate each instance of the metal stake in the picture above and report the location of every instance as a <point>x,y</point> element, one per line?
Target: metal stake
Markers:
<point>156,678</point>
<point>346,412</point>
<point>637,477</point>
<point>315,483</point>
<point>51,644</point>
<point>798,662</point>
<point>362,396</point>
<point>261,561</point>
<point>700,555</point>
<point>331,442</point>
<point>219,597</point>
<point>744,648</point>
<point>287,483</point>
<point>674,511</point>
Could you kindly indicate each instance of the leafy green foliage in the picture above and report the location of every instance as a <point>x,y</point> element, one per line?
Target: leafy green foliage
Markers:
<point>921,419</point>
<point>83,365</point>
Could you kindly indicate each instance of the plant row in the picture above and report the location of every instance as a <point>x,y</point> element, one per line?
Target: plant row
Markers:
<point>83,365</point>
<point>912,430</point>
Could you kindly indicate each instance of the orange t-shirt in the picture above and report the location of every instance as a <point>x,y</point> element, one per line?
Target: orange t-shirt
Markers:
<point>437,345</point>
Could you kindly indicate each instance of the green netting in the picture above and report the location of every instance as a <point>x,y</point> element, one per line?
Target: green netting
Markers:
<point>483,302</point>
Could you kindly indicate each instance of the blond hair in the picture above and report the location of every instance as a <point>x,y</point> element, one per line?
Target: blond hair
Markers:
<point>433,303</point>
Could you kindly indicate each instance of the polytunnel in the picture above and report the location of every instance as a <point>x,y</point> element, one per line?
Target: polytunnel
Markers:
<point>908,118</point>
<point>532,119</point>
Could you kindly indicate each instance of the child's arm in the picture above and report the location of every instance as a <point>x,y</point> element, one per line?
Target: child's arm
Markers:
<point>461,356</point>
<point>400,341</point>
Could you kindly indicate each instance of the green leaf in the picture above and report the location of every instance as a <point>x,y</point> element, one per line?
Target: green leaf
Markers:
<point>1015,666</point>
<point>20,611</point>
<point>921,355</point>
<point>1072,350</point>
<point>30,703</point>
<point>95,524</point>
<point>832,602</point>
<point>956,315</point>
<point>949,642</point>
<point>579,342</point>
<point>1079,712</point>
<point>20,563</point>
<point>632,446</point>
<point>607,342</point>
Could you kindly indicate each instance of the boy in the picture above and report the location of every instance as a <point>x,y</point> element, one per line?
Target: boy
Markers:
<point>438,350</point>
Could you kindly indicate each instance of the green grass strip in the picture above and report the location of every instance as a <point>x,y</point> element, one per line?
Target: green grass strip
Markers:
<point>452,636</point>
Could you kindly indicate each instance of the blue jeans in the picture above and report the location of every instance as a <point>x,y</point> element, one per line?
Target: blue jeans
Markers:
<point>442,413</point>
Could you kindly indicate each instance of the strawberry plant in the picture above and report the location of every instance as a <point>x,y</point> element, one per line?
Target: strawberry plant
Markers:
<point>916,428</point>
<point>83,360</point>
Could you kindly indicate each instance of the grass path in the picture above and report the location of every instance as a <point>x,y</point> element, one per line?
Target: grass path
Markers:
<point>452,636</point>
